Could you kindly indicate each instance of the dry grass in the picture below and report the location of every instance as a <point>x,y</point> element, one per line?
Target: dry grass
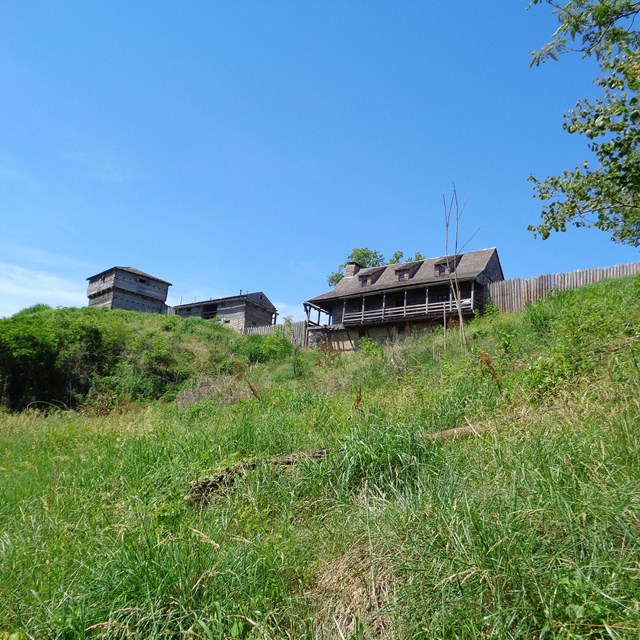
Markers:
<point>225,390</point>
<point>353,587</point>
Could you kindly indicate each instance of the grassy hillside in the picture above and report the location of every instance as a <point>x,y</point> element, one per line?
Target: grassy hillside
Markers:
<point>97,358</point>
<point>529,529</point>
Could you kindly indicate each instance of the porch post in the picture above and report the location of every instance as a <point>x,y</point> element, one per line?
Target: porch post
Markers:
<point>384,301</point>
<point>362,310</point>
<point>404,312</point>
<point>426,300</point>
<point>472,292</point>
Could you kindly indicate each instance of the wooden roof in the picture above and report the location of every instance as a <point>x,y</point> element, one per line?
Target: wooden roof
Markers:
<point>136,272</point>
<point>257,297</point>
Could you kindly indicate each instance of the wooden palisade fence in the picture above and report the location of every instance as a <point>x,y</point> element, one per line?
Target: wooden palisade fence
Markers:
<point>295,331</point>
<point>512,295</point>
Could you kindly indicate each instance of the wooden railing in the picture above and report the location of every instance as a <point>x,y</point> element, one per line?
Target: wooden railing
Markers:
<point>408,311</point>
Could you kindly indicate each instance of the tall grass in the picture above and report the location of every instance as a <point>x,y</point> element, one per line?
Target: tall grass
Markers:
<point>529,530</point>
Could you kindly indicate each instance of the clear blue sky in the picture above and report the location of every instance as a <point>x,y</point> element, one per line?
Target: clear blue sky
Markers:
<point>251,145</point>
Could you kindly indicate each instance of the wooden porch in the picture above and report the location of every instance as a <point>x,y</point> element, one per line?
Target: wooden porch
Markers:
<point>426,310</point>
<point>399,305</point>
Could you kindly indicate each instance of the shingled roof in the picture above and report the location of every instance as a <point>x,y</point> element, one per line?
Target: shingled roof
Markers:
<point>136,272</point>
<point>469,266</point>
<point>257,297</point>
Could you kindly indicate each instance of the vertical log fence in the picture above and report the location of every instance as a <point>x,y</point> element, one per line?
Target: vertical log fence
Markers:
<point>513,295</point>
<point>295,331</point>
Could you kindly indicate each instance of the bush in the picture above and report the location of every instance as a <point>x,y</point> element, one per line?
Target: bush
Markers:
<point>271,347</point>
<point>60,356</point>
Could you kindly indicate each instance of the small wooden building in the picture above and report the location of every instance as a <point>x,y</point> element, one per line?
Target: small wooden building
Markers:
<point>128,288</point>
<point>384,303</point>
<point>238,312</point>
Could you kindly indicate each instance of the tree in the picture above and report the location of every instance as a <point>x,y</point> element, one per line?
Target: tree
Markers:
<point>369,258</point>
<point>454,207</point>
<point>364,257</point>
<point>607,195</point>
<point>398,257</point>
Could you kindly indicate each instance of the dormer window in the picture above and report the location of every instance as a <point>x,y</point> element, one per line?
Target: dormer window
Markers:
<point>370,278</point>
<point>407,271</point>
<point>445,268</point>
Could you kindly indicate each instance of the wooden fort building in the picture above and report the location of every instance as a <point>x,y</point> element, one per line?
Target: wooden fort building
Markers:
<point>384,303</point>
<point>128,288</point>
<point>238,312</point>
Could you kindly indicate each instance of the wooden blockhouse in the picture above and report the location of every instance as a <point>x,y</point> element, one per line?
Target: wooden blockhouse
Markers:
<point>129,289</point>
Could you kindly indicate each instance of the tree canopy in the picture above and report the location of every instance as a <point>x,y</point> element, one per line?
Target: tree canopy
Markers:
<point>604,193</point>
<point>366,257</point>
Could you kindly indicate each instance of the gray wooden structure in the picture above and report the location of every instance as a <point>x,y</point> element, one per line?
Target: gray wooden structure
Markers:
<point>386,302</point>
<point>128,288</point>
<point>238,312</point>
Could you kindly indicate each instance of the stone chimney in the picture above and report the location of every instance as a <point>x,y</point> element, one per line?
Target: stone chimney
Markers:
<point>351,269</point>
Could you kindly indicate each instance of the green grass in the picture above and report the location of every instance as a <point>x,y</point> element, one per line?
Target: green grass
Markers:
<point>530,530</point>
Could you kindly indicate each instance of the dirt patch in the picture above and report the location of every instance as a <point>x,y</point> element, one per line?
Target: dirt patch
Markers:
<point>224,390</point>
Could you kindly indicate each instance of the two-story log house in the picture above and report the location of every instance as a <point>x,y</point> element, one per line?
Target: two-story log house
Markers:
<point>384,303</point>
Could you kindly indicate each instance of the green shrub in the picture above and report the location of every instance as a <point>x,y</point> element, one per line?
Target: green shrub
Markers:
<point>271,347</point>
<point>59,356</point>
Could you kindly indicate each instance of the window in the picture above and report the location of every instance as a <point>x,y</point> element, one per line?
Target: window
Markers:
<point>442,269</point>
<point>365,281</point>
<point>402,275</point>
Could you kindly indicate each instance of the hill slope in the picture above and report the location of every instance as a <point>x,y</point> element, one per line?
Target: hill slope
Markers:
<point>529,529</point>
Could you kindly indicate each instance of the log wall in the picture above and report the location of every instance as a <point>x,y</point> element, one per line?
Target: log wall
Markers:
<point>513,295</point>
<point>296,332</point>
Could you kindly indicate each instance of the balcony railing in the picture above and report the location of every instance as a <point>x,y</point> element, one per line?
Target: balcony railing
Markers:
<point>412,311</point>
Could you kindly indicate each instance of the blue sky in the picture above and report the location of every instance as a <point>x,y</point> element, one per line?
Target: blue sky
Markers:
<point>251,145</point>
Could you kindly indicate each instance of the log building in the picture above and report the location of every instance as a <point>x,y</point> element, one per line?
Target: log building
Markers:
<point>238,312</point>
<point>384,303</point>
<point>128,288</point>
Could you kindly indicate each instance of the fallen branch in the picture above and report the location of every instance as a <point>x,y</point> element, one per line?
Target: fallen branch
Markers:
<point>204,488</point>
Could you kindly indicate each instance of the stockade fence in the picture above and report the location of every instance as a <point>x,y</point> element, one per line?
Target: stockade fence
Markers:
<point>513,295</point>
<point>295,331</point>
